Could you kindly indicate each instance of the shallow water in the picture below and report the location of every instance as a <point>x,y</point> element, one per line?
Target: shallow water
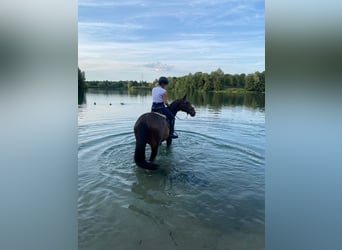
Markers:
<point>208,192</point>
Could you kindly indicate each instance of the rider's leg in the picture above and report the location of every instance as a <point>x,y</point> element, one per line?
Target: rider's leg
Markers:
<point>172,129</point>
<point>171,119</point>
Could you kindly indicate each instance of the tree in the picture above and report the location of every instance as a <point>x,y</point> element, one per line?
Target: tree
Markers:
<point>228,81</point>
<point>218,78</point>
<point>255,82</point>
<point>249,82</point>
<point>81,87</point>
<point>242,80</point>
<point>81,79</point>
<point>260,87</point>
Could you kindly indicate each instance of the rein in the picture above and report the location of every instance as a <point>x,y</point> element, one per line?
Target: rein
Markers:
<point>182,119</point>
<point>174,109</point>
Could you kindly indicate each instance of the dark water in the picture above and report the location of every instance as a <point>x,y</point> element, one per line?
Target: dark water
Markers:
<point>208,192</point>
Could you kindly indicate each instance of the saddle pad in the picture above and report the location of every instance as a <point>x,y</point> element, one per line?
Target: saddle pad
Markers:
<point>164,116</point>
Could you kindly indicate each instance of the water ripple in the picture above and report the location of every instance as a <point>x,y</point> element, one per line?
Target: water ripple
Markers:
<point>211,179</point>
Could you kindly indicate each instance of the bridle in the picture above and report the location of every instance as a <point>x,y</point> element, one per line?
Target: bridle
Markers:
<point>182,106</point>
<point>187,111</point>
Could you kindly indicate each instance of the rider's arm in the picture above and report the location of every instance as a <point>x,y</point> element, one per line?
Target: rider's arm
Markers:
<point>165,99</point>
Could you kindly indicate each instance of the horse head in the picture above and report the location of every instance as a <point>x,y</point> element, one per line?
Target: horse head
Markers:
<point>185,106</point>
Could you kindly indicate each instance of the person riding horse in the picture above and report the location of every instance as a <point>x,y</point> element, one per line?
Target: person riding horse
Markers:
<point>160,104</point>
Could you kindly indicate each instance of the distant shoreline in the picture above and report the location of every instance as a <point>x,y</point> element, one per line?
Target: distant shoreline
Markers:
<point>216,82</point>
<point>223,91</point>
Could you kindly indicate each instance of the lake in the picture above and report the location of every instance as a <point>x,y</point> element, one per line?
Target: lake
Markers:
<point>208,193</point>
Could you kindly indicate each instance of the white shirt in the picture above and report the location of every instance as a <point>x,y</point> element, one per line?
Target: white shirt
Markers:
<point>157,94</point>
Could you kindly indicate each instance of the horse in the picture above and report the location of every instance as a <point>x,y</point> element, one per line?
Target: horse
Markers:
<point>153,128</point>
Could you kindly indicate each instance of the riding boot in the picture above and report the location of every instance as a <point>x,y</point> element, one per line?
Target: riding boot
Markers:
<point>172,129</point>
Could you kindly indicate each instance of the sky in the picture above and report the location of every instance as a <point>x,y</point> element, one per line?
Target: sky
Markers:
<point>145,39</point>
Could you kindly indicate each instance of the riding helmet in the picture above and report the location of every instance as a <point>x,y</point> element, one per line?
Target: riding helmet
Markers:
<point>163,80</point>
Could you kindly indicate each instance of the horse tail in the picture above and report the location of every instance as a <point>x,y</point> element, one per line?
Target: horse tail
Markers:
<point>141,140</point>
<point>140,144</point>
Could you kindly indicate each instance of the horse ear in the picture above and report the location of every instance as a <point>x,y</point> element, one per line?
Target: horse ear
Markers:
<point>184,97</point>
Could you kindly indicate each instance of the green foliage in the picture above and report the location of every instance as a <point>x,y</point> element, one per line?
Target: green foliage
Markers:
<point>118,84</point>
<point>81,79</point>
<point>216,81</point>
<point>81,87</point>
<point>255,82</point>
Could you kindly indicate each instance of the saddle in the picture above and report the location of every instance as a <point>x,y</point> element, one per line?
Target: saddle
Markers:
<point>160,114</point>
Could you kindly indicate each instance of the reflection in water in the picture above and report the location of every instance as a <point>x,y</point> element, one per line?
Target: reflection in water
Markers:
<point>199,99</point>
<point>208,192</point>
<point>82,96</point>
<point>217,100</point>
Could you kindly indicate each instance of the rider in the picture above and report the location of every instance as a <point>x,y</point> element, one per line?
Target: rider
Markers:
<point>160,103</point>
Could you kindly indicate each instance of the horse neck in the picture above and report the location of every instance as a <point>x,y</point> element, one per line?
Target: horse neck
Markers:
<point>174,107</point>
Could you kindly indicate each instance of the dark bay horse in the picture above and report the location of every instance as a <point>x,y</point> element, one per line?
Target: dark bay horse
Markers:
<point>152,128</point>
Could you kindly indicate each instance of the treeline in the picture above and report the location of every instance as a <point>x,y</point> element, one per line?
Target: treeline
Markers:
<point>218,81</point>
<point>215,81</point>
<point>118,84</point>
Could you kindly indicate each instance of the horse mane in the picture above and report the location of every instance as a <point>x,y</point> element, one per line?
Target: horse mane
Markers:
<point>174,106</point>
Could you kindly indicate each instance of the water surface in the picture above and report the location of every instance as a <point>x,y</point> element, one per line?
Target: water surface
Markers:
<point>208,192</point>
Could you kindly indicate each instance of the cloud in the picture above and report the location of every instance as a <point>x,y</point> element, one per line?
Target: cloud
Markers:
<point>126,26</point>
<point>109,31</point>
<point>103,3</point>
<point>159,67</point>
<point>123,39</point>
<point>178,57</point>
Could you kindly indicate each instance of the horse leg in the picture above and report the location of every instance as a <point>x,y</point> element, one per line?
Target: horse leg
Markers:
<point>167,133</point>
<point>154,150</point>
<point>141,141</point>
